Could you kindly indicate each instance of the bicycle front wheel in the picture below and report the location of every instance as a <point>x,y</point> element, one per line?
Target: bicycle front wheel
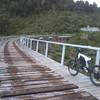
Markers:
<point>95,75</point>
<point>72,68</point>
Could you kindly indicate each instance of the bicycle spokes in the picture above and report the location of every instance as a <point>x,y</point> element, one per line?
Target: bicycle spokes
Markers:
<point>95,75</point>
<point>73,68</point>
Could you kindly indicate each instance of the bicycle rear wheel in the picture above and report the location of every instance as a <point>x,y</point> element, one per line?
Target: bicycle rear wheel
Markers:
<point>95,75</point>
<point>73,68</point>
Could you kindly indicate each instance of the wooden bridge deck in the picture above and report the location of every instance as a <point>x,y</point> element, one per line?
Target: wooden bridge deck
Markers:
<point>24,78</point>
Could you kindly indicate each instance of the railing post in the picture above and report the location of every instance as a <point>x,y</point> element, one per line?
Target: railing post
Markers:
<point>21,40</point>
<point>63,54</point>
<point>98,57</point>
<point>26,42</point>
<point>37,46</point>
<point>46,51</point>
<point>30,44</point>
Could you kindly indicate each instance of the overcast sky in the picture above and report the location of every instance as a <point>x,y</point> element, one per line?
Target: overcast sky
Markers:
<point>91,1</point>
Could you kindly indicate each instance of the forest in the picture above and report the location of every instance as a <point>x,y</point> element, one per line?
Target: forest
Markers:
<point>23,9</point>
<point>28,7</point>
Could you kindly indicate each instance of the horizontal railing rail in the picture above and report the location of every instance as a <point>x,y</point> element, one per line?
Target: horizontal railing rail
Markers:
<point>25,41</point>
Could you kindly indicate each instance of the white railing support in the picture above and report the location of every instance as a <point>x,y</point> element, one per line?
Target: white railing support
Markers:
<point>37,46</point>
<point>30,44</point>
<point>63,54</point>
<point>21,40</point>
<point>98,57</point>
<point>26,42</point>
<point>46,51</point>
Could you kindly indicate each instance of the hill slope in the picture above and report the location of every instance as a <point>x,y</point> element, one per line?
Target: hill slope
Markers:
<point>60,22</point>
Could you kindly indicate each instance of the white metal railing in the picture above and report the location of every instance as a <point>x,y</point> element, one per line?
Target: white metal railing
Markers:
<point>25,41</point>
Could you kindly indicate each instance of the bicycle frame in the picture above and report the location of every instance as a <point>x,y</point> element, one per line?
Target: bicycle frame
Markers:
<point>86,58</point>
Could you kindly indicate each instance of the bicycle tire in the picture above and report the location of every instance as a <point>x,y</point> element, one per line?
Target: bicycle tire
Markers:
<point>95,76</point>
<point>72,68</point>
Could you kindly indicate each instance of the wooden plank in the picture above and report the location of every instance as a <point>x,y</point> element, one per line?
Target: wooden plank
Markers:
<point>72,96</point>
<point>25,66</point>
<point>16,87</point>
<point>18,56</point>
<point>14,76</point>
<point>38,96</point>
<point>36,81</point>
<point>54,82</point>
<point>37,90</point>
<point>21,74</point>
<point>5,71</point>
<point>31,78</point>
<point>59,95</point>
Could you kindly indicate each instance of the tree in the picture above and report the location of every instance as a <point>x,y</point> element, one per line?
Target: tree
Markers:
<point>4,25</point>
<point>84,6</point>
<point>79,6</point>
<point>29,7</point>
<point>94,6</point>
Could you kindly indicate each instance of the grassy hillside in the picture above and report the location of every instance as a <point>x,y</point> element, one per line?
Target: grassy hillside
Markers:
<point>59,22</point>
<point>92,39</point>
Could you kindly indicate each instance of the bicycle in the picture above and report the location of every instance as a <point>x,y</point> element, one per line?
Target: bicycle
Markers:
<point>81,63</point>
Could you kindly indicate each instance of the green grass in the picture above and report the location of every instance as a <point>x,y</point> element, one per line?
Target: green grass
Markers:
<point>93,39</point>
